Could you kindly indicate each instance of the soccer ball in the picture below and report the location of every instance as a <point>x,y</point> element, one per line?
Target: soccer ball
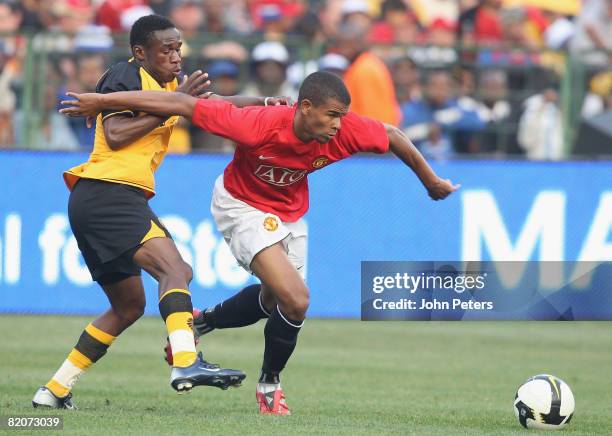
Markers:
<point>544,402</point>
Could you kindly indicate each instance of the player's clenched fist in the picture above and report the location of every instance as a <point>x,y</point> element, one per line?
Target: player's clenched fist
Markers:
<point>441,189</point>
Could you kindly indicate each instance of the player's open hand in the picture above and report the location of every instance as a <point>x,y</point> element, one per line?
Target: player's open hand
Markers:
<point>195,84</point>
<point>87,105</point>
<point>279,101</point>
<point>441,189</point>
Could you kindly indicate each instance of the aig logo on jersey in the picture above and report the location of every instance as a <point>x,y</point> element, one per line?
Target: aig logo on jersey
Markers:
<point>279,176</point>
<point>320,162</point>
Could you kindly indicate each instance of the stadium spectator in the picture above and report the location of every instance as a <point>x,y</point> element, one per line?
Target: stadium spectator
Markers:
<point>237,18</point>
<point>481,24</point>
<point>559,32</point>
<point>540,129</point>
<point>188,15</point>
<point>275,17</point>
<point>439,50</point>
<point>442,33</point>
<point>225,76</point>
<point>273,24</point>
<point>215,20</point>
<point>466,81</point>
<point>396,25</point>
<point>110,12</point>
<point>11,18</point>
<point>228,50</point>
<point>599,96</point>
<point>270,61</point>
<point>464,89</point>
<point>406,77</point>
<point>330,15</point>
<point>497,111</point>
<point>356,12</point>
<point>93,39</point>
<point>308,27</point>
<point>160,7</point>
<point>428,11</point>
<point>8,100</point>
<point>433,121</point>
<point>333,63</point>
<point>222,17</point>
<point>593,30</point>
<point>90,67</point>
<point>71,15</point>
<point>518,30</point>
<point>53,131</point>
<point>30,12</point>
<point>131,15</point>
<point>11,46</point>
<point>368,79</point>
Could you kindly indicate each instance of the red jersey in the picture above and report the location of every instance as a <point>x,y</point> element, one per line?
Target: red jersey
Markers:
<point>270,165</point>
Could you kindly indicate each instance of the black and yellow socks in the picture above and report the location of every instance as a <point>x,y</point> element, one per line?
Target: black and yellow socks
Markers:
<point>90,347</point>
<point>177,312</point>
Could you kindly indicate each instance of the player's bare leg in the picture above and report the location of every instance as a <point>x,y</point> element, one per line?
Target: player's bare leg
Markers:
<point>160,258</point>
<point>127,300</point>
<point>282,282</point>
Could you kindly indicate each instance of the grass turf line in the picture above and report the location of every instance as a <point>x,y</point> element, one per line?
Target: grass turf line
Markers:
<point>346,377</point>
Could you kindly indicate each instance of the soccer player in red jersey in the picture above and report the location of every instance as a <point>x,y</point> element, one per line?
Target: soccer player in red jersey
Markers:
<point>259,201</point>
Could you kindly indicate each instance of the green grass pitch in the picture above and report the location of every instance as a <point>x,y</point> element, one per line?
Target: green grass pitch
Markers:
<point>346,377</point>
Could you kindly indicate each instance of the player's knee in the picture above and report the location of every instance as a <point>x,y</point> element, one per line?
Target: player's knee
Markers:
<point>301,307</point>
<point>187,272</point>
<point>179,271</point>
<point>296,306</point>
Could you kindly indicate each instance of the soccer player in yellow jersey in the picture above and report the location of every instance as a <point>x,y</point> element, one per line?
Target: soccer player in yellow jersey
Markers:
<point>116,230</point>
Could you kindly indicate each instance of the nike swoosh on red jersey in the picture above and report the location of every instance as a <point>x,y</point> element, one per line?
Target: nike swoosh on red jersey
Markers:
<point>262,157</point>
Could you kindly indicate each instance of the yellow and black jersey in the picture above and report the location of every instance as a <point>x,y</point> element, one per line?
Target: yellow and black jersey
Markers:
<point>135,163</point>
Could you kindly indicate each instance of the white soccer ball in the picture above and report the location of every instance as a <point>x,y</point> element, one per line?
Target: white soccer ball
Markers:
<point>544,402</point>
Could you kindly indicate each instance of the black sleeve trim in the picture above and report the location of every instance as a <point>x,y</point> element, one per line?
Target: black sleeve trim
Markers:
<point>124,76</point>
<point>109,114</point>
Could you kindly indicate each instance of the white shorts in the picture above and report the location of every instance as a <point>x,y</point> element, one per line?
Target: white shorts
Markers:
<point>248,230</point>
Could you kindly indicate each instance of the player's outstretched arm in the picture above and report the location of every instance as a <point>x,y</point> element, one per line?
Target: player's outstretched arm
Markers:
<point>244,101</point>
<point>152,102</point>
<point>402,147</point>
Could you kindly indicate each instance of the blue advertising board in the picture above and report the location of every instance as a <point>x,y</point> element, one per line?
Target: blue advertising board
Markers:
<point>362,209</point>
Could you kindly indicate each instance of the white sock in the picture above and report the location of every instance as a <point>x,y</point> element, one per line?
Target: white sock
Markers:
<point>265,388</point>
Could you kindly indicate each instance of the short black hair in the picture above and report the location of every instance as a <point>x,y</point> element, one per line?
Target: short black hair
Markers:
<point>320,86</point>
<point>145,26</point>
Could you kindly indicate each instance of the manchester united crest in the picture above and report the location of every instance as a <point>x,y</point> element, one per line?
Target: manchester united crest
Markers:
<point>320,162</point>
<point>270,223</point>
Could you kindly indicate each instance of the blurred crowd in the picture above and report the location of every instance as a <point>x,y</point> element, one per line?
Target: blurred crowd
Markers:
<point>459,76</point>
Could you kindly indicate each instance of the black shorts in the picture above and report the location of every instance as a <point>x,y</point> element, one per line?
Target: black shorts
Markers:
<point>110,221</point>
